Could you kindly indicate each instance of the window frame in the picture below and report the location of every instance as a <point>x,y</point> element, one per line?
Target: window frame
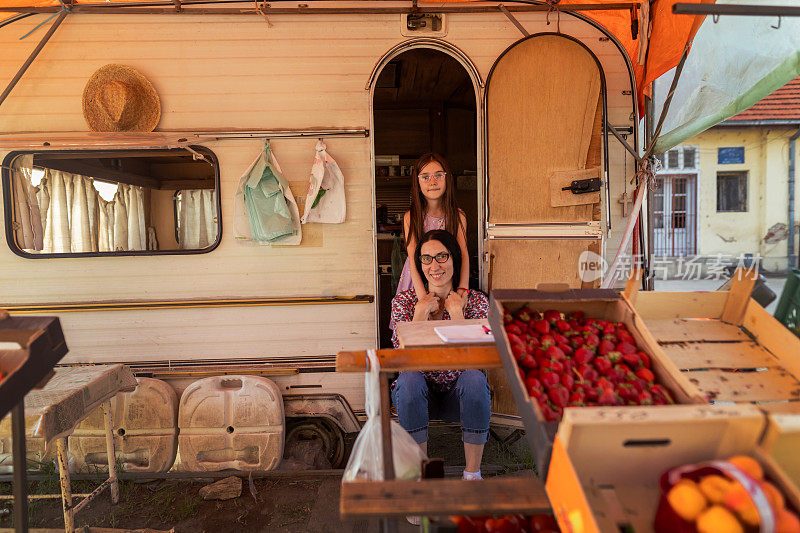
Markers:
<point>739,174</point>
<point>8,208</point>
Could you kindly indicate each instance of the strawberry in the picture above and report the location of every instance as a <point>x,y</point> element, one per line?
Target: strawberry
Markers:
<point>605,347</point>
<point>514,338</point>
<point>549,414</point>
<point>626,392</point>
<point>524,313</point>
<point>608,397</point>
<point>573,324</point>
<point>551,315</point>
<point>566,348</point>
<point>609,330</point>
<point>644,358</point>
<point>588,373</point>
<point>577,315</point>
<point>626,348</point>
<point>592,341</point>
<point>541,326</point>
<point>639,384</point>
<point>602,364</point>
<point>532,382</point>
<point>549,378</point>
<point>521,372</point>
<point>560,339</point>
<point>536,393</point>
<point>644,398</point>
<point>612,338</point>
<point>582,356</point>
<point>646,374</point>
<point>554,352</point>
<point>507,316</point>
<point>632,360</point>
<point>518,351</point>
<point>577,398</point>
<point>616,375</point>
<point>559,395</point>
<point>545,341</point>
<point>615,357</point>
<point>568,365</point>
<point>604,383</point>
<point>577,341</point>
<point>556,366</point>
<point>660,394</point>
<point>528,361</point>
<point>563,326</point>
<point>593,393</point>
<point>568,381</point>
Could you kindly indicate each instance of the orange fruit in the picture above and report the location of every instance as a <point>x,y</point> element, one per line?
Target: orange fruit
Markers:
<point>786,522</point>
<point>748,465</point>
<point>739,501</point>
<point>717,519</point>
<point>686,499</point>
<point>715,488</point>
<point>773,495</point>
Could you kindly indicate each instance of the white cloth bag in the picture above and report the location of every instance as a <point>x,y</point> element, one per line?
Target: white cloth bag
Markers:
<point>241,218</point>
<point>366,460</point>
<point>326,189</point>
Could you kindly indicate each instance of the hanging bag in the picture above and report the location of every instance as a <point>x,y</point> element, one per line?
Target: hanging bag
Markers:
<point>265,211</point>
<point>325,201</point>
<point>366,460</point>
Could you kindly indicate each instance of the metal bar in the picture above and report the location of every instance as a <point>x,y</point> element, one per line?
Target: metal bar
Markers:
<point>624,143</point>
<point>386,428</point>
<point>544,237</point>
<point>15,18</point>
<point>685,8</point>
<point>275,134</point>
<point>33,55</point>
<point>66,490</point>
<point>88,499</point>
<point>133,476</point>
<point>667,102</point>
<point>112,458</point>
<point>169,8</point>
<point>184,304</point>
<point>40,496</point>
<point>514,20</point>
<point>20,467</point>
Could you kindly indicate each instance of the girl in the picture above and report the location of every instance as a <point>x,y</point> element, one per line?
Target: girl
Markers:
<point>433,206</point>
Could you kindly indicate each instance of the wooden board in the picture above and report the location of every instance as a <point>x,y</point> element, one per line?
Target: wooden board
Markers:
<point>439,497</point>
<point>563,178</point>
<point>444,358</point>
<point>525,263</point>
<point>542,100</point>
<point>422,334</point>
<point>771,385</point>
<point>656,305</point>
<point>730,355</point>
<point>687,330</point>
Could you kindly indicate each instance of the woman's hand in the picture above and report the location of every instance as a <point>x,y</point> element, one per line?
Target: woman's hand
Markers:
<point>426,306</point>
<point>455,304</point>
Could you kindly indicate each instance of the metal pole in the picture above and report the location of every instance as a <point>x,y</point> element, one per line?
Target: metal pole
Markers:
<point>24,67</point>
<point>685,8</point>
<point>66,490</point>
<point>790,251</point>
<point>112,459</point>
<point>20,468</point>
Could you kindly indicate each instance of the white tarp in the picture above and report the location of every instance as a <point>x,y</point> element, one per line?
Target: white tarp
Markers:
<point>733,64</point>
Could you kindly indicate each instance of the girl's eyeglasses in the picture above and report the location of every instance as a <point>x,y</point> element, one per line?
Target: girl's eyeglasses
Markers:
<point>441,257</point>
<point>438,176</point>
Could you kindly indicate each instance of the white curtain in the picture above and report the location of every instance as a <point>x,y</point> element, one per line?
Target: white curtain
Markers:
<point>70,217</point>
<point>197,218</point>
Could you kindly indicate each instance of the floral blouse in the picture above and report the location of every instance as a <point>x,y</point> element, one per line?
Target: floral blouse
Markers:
<point>403,311</point>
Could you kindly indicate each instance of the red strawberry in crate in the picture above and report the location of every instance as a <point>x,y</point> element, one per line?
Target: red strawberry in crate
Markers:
<point>576,341</point>
<point>549,414</point>
<point>560,339</point>
<point>593,393</point>
<point>556,366</point>
<point>616,374</point>
<point>605,347</point>
<point>615,357</point>
<point>626,337</point>
<point>645,374</point>
<point>644,398</point>
<point>532,382</point>
<point>582,356</point>
<point>568,381</point>
<point>661,395</point>
<point>545,341</point>
<point>563,326</point>
<point>515,338</point>
<point>632,360</point>
<point>577,315</point>
<point>568,365</point>
<point>549,378</point>
<point>518,351</point>
<point>602,364</point>
<point>524,313</point>
<point>528,361</point>
<point>577,398</point>
<point>513,329</point>
<point>588,373</point>
<point>609,329</point>
<point>551,315</point>
<point>559,395</point>
<point>554,352</point>
<point>626,348</point>
<point>521,372</point>
<point>608,397</point>
<point>567,349</point>
<point>604,383</point>
<point>541,326</point>
<point>573,324</point>
<point>626,392</point>
<point>507,316</point>
<point>645,359</point>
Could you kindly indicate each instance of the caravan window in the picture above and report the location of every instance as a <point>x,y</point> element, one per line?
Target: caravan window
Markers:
<point>103,202</point>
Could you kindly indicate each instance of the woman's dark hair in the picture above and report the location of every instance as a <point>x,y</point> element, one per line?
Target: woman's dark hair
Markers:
<point>419,203</point>
<point>449,242</point>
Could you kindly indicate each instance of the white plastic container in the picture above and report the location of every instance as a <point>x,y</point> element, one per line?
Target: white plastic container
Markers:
<point>34,449</point>
<point>145,431</point>
<point>231,422</point>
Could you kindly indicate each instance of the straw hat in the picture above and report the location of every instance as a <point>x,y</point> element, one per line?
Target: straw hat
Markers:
<point>118,98</point>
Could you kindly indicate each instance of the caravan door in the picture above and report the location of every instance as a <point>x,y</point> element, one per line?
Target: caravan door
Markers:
<point>544,129</point>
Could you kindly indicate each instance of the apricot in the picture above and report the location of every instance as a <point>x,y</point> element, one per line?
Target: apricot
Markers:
<point>748,465</point>
<point>739,501</point>
<point>786,522</point>
<point>686,499</point>
<point>715,488</point>
<point>773,495</point>
<point>717,519</point>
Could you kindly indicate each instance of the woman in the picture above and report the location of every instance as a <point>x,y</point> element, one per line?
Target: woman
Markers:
<point>450,394</point>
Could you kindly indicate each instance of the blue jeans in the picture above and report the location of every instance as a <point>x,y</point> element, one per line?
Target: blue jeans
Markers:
<point>468,401</point>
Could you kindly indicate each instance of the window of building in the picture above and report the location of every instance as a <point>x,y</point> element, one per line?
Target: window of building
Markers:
<point>111,202</point>
<point>689,156</point>
<point>673,159</point>
<point>730,155</point>
<point>731,191</point>
<point>679,158</point>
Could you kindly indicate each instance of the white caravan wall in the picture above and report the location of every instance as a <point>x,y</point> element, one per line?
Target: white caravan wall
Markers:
<point>223,72</point>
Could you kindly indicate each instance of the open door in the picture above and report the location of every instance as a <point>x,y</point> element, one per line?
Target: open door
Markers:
<point>544,131</point>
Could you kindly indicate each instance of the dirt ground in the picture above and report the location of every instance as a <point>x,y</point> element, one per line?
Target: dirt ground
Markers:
<point>307,503</point>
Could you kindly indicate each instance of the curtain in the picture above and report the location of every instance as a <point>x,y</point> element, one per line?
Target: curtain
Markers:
<point>65,214</point>
<point>197,218</point>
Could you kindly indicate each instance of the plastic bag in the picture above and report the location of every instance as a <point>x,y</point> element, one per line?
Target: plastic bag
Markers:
<point>264,209</point>
<point>366,460</point>
<point>325,200</point>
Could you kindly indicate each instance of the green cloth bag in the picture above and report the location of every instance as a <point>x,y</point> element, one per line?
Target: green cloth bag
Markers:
<point>269,214</point>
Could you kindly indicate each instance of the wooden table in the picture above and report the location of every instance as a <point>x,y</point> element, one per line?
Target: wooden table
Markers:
<point>422,335</point>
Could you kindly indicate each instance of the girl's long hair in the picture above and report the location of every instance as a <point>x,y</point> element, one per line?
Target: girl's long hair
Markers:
<point>419,204</point>
<point>449,241</point>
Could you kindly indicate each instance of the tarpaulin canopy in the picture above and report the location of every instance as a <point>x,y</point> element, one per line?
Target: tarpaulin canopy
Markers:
<point>734,63</point>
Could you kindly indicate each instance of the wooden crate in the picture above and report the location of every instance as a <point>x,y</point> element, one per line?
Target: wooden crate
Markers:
<point>727,345</point>
<point>596,303</point>
<point>606,464</point>
<point>782,442</point>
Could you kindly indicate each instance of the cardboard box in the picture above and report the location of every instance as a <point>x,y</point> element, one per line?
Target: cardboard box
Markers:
<point>606,463</point>
<point>595,303</point>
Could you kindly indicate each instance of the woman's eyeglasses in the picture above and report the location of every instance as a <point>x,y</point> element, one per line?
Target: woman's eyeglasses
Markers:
<point>441,257</point>
<point>438,176</point>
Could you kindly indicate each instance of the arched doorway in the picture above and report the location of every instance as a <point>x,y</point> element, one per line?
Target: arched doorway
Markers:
<point>423,100</point>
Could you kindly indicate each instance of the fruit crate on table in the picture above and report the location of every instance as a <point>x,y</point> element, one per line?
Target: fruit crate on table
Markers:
<point>594,303</point>
<point>787,312</point>
<point>726,344</point>
<point>606,464</point>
